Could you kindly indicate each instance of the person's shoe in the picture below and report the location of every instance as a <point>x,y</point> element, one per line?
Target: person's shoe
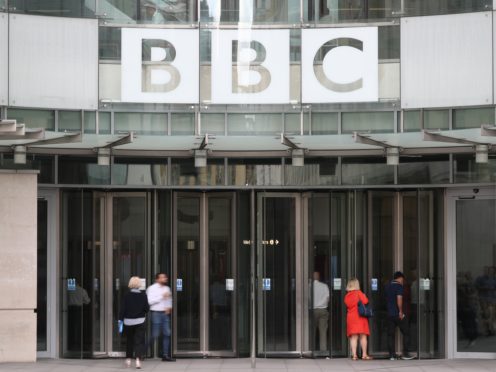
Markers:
<point>138,363</point>
<point>168,359</point>
<point>407,356</point>
<point>128,363</point>
<point>393,357</point>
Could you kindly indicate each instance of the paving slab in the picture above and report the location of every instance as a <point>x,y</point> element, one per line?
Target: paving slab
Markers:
<point>262,365</point>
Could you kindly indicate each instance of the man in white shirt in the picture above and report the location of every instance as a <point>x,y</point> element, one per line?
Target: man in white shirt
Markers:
<point>160,301</point>
<point>320,313</point>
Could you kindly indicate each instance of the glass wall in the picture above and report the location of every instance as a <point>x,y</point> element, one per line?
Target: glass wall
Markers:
<point>476,275</point>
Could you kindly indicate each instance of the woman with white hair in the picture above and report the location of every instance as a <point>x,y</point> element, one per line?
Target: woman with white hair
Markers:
<point>132,316</point>
<point>357,327</point>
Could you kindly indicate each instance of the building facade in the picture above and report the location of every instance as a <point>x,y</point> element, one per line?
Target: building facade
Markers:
<point>242,146</point>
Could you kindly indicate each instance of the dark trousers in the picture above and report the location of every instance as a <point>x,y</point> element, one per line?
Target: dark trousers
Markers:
<point>402,324</point>
<point>135,340</point>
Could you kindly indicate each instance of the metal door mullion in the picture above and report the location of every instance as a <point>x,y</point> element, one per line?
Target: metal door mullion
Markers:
<point>204,288</point>
<point>107,272</point>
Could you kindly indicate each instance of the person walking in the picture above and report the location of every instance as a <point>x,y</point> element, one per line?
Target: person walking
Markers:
<point>320,313</point>
<point>357,327</point>
<point>160,301</point>
<point>132,316</point>
<point>396,316</point>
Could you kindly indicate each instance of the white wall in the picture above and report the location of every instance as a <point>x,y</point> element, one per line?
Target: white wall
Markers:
<point>18,265</point>
<point>53,62</point>
<point>447,60</point>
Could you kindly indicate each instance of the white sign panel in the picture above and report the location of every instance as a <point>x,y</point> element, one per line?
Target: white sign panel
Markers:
<point>336,284</point>
<point>340,65</point>
<point>229,284</point>
<point>160,65</point>
<point>250,66</point>
<point>142,284</point>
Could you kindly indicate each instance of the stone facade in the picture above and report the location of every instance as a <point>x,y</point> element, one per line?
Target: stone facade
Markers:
<point>18,265</point>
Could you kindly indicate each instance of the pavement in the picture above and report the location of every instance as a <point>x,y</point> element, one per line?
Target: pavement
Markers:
<point>262,365</point>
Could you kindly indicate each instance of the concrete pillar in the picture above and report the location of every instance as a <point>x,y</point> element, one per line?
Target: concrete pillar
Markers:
<point>18,265</point>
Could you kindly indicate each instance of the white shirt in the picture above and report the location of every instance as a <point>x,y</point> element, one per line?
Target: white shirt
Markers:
<point>320,295</point>
<point>156,298</point>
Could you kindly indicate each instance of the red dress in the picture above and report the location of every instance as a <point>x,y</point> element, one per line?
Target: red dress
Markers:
<point>356,324</point>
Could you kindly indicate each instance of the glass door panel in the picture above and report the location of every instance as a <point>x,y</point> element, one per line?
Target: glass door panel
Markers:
<point>128,253</point>
<point>277,276</point>
<point>187,273</point>
<point>329,265</point>
<point>430,290</point>
<point>476,275</point>
<point>380,261</point>
<point>220,273</point>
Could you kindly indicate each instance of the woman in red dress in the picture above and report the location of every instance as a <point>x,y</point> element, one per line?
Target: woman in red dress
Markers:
<point>356,325</point>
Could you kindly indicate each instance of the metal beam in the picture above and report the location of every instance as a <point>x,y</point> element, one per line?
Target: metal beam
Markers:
<point>438,137</point>
<point>287,142</point>
<point>69,138</point>
<point>129,138</point>
<point>488,130</point>
<point>367,140</point>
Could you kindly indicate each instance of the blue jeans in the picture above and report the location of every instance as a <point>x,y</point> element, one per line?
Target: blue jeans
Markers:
<point>161,324</point>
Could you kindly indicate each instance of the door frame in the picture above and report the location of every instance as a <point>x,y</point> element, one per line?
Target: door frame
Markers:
<point>204,240</point>
<point>452,196</point>
<point>299,272</point>
<point>53,270</point>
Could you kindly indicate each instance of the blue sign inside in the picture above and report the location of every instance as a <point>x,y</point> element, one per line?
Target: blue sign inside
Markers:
<point>374,284</point>
<point>266,284</point>
<point>71,284</point>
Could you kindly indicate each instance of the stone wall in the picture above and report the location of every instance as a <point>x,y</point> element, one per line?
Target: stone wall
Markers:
<point>18,263</point>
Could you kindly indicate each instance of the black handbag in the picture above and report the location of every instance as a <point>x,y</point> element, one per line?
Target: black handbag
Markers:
<point>365,310</point>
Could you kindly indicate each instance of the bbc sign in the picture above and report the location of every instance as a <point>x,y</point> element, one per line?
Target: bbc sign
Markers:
<point>249,66</point>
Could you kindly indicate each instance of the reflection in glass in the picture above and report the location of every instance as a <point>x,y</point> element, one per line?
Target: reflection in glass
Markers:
<point>183,124</point>
<point>436,119</point>
<point>148,11</point>
<point>75,170</point>
<point>129,253</point>
<point>44,163</point>
<point>244,172</point>
<point>316,171</point>
<point>139,172</point>
<point>330,260</point>
<point>184,172</point>
<point>476,275</point>
<point>213,123</point>
<point>220,270</point>
<point>380,261</point>
<point>188,269</point>
<point>278,264</point>
<point>250,11</point>
<point>292,123</point>
<point>412,121</point>
<point>325,123</point>
<point>33,118</point>
<point>467,170</point>
<point>141,123</point>
<point>424,169</point>
<point>42,277</point>
<point>368,121</point>
<point>473,118</point>
<point>69,121</point>
<point>73,8</point>
<point>254,124</point>
<point>370,171</point>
